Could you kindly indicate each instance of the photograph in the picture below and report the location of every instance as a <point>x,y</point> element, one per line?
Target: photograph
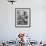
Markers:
<point>22,17</point>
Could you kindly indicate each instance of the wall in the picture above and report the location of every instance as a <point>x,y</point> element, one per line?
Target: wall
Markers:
<point>7,19</point>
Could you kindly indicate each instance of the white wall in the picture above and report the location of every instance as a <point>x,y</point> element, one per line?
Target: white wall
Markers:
<point>38,19</point>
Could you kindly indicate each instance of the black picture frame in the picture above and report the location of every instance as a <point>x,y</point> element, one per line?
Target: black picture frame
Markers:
<point>28,10</point>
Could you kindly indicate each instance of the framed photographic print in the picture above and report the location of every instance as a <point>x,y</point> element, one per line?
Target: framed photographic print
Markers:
<point>22,17</point>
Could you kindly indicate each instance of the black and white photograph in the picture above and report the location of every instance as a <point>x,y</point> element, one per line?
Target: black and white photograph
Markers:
<point>22,17</point>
